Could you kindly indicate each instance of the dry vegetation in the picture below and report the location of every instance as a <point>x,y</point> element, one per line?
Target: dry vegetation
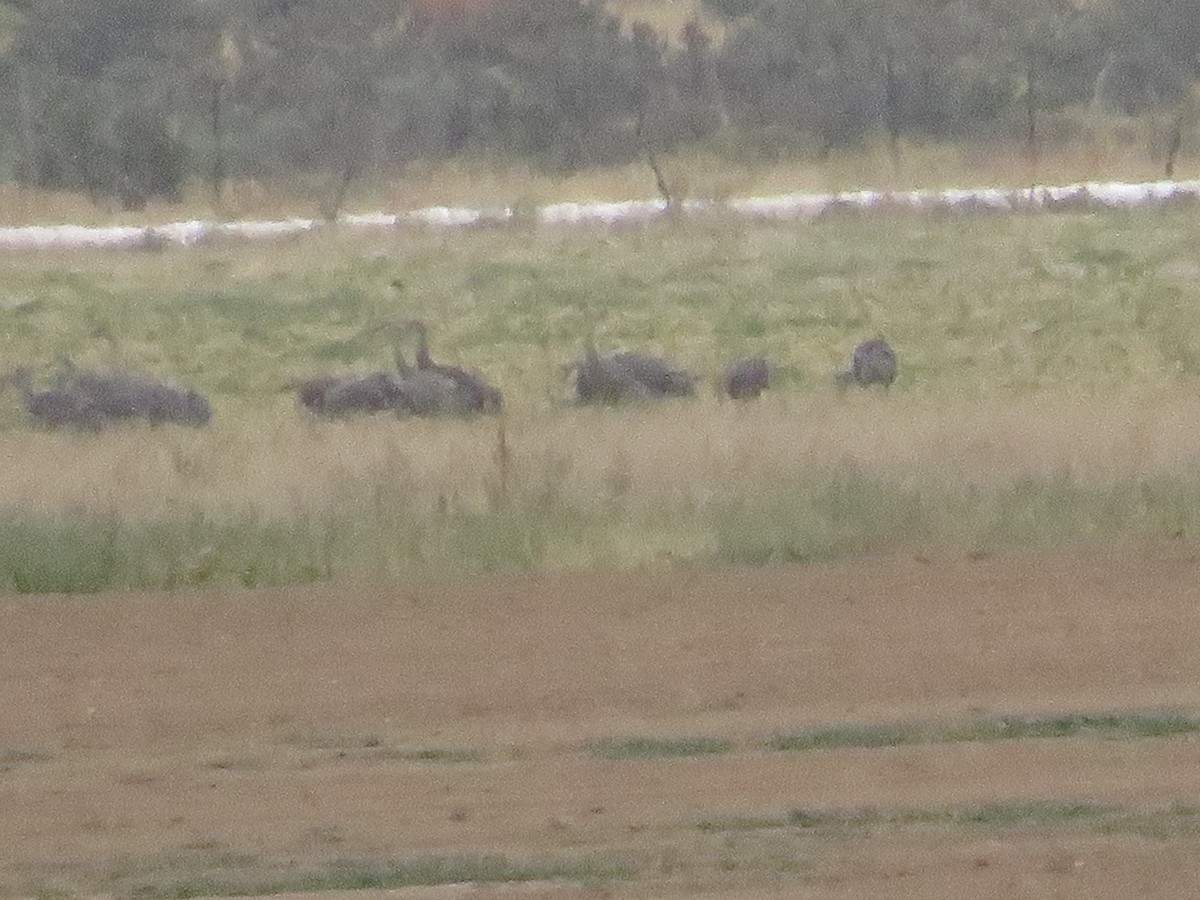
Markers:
<point>676,455</point>
<point>1111,149</point>
<point>1045,395</point>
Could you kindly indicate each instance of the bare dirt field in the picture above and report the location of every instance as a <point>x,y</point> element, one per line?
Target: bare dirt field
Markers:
<point>294,740</point>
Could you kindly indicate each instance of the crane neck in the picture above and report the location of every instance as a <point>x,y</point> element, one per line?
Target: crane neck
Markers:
<point>402,365</point>
<point>423,360</point>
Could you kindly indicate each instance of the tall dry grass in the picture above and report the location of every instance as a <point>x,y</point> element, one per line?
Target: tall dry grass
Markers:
<point>682,454</point>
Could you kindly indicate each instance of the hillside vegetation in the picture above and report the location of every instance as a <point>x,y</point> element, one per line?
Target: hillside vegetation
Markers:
<point>136,102</point>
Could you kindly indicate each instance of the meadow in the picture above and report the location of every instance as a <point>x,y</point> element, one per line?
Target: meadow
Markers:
<point>1047,395</point>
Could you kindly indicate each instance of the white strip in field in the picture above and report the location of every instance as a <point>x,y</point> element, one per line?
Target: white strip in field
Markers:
<point>784,206</point>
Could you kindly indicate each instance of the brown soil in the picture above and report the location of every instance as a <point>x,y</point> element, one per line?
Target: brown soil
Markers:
<point>147,739</point>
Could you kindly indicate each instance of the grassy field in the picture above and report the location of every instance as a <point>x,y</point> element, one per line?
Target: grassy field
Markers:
<point>1046,395</point>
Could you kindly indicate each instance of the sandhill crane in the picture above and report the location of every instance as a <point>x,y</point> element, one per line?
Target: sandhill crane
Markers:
<point>600,379</point>
<point>57,407</point>
<point>92,399</point>
<point>873,362</point>
<point>423,392</point>
<point>346,393</point>
<point>621,376</point>
<point>479,395</point>
<point>311,391</point>
<point>745,379</point>
<point>657,375</point>
<point>119,395</point>
<point>373,392</point>
<point>405,390</point>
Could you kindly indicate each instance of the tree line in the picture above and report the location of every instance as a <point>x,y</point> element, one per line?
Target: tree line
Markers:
<point>131,99</point>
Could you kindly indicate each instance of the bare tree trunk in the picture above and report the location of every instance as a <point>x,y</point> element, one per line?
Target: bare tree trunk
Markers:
<point>1173,144</point>
<point>332,209</point>
<point>1031,121</point>
<point>1100,85</point>
<point>29,155</point>
<point>217,175</point>
<point>660,181</point>
<point>891,111</point>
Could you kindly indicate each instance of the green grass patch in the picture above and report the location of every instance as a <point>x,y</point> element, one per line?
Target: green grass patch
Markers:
<point>89,553</point>
<point>1107,726</point>
<point>353,875</point>
<point>1006,815</point>
<point>1113,726</point>
<point>646,747</point>
<point>11,757</point>
<point>848,511</point>
<point>450,755</point>
<point>317,739</point>
<point>368,746</point>
<point>236,762</point>
<point>378,529</point>
<point>1173,821</point>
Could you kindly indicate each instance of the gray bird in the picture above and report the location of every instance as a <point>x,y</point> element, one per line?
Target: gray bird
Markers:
<point>346,393</point>
<point>93,399</point>
<point>373,392</point>
<point>873,362</point>
<point>119,395</point>
<point>601,379</point>
<point>57,407</point>
<point>427,393</point>
<point>745,379</point>
<point>622,376</point>
<point>310,392</point>
<point>479,396</point>
<point>657,375</point>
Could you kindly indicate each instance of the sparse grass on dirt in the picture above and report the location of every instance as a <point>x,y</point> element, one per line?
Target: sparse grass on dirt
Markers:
<point>1006,815</point>
<point>798,844</point>
<point>336,740</point>
<point>1108,726</point>
<point>1046,395</point>
<point>231,762</point>
<point>656,747</point>
<point>358,875</point>
<point>368,746</point>
<point>10,757</point>
<point>1169,820</point>
<point>431,754</point>
<point>1127,725</point>
<point>364,747</point>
